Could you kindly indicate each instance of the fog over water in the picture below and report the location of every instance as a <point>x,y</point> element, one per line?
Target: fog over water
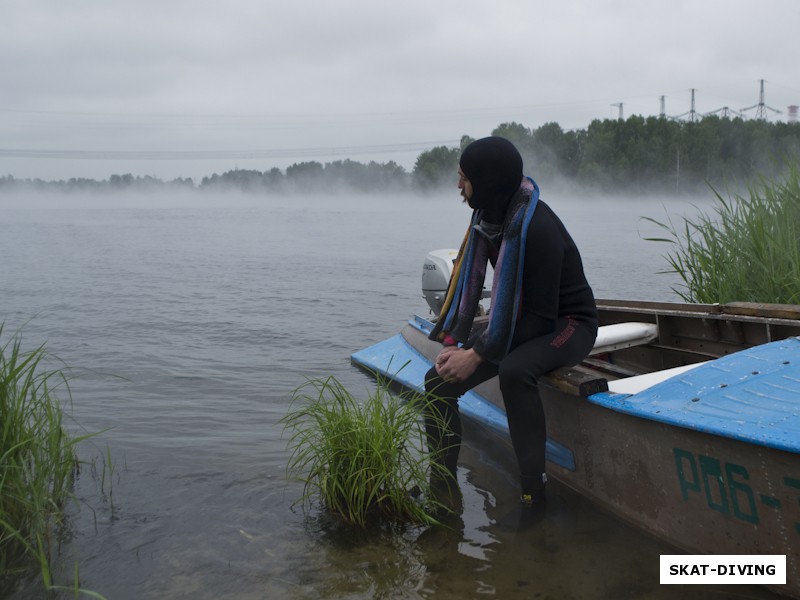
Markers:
<point>188,321</point>
<point>186,88</point>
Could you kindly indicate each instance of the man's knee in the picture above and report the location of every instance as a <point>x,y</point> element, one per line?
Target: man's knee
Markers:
<point>515,374</point>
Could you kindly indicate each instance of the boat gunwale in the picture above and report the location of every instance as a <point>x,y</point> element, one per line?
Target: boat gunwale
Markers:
<point>749,312</point>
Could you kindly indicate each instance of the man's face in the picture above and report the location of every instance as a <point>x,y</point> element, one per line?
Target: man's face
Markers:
<point>465,186</point>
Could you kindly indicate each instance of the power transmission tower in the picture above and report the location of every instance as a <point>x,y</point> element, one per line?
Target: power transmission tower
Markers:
<point>662,106</point>
<point>726,113</point>
<point>761,107</point>
<point>619,104</point>
<point>692,114</point>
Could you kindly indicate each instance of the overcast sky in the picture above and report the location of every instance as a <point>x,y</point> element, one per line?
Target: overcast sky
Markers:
<point>187,88</point>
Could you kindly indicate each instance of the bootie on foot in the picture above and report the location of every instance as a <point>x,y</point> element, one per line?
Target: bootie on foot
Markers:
<point>533,492</point>
<point>533,502</point>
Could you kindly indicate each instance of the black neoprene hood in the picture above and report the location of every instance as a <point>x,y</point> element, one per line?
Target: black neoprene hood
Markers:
<point>493,166</point>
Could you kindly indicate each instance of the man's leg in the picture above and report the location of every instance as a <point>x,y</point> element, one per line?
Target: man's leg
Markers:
<point>518,374</point>
<point>442,422</point>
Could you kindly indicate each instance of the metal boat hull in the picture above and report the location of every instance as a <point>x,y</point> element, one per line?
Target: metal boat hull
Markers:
<point>698,486</point>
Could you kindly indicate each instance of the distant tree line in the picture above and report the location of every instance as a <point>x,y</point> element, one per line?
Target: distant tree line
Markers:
<point>639,154</point>
<point>342,175</point>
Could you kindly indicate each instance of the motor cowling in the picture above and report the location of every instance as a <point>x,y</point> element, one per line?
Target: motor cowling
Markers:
<point>436,272</point>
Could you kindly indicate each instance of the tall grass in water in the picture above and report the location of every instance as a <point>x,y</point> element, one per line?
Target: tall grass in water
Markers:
<point>362,457</point>
<point>37,460</point>
<point>747,251</point>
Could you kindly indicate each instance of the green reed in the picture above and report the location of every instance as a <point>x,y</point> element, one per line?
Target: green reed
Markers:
<point>362,457</point>
<point>748,250</point>
<point>37,459</point>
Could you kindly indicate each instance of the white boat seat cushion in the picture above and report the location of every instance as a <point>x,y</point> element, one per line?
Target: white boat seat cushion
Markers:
<point>623,335</point>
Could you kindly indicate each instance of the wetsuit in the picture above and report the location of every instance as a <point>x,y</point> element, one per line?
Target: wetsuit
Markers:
<point>556,327</point>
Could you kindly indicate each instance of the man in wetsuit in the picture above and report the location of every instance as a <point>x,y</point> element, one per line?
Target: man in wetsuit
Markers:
<point>542,315</point>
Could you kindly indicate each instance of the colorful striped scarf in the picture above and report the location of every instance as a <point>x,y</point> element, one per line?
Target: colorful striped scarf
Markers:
<point>469,272</point>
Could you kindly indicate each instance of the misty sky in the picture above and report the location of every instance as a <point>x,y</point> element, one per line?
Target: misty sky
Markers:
<point>188,88</point>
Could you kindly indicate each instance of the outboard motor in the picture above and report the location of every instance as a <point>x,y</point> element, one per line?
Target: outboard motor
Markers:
<point>436,271</point>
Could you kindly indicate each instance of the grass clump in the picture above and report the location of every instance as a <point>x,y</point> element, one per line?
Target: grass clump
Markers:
<point>37,460</point>
<point>362,457</point>
<point>747,251</point>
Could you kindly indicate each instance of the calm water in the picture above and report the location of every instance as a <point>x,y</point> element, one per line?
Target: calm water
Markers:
<point>189,320</point>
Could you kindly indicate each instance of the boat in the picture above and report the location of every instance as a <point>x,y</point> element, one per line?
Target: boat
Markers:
<point>684,420</point>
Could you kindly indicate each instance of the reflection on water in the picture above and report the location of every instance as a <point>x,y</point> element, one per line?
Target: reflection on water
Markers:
<point>491,548</point>
<point>190,322</point>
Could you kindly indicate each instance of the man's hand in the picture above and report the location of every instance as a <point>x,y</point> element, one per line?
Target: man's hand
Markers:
<point>456,364</point>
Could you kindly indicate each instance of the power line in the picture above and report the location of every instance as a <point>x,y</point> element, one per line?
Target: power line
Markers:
<point>220,154</point>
